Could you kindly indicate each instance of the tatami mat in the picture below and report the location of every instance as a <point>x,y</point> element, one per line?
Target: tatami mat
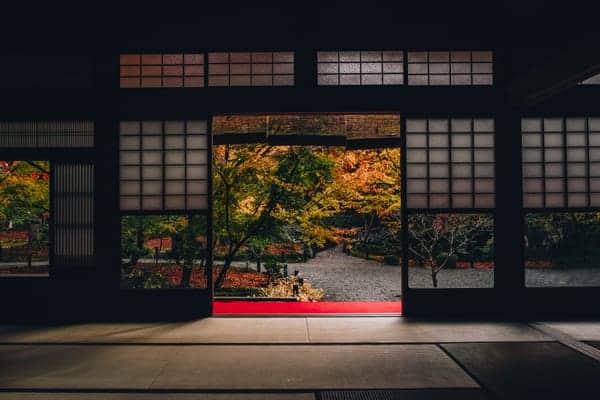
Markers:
<point>229,367</point>
<point>277,330</point>
<point>583,330</point>
<point>400,330</point>
<point>529,370</point>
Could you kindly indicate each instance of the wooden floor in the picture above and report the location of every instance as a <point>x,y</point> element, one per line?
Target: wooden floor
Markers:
<point>301,358</point>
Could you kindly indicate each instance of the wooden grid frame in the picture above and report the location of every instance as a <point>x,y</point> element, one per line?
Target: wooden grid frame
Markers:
<point>560,162</point>
<point>161,70</point>
<point>164,166</point>
<point>251,68</point>
<point>450,163</point>
<point>341,68</point>
<point>450,68</point>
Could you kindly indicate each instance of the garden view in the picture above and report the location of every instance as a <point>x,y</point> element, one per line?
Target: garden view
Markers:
<point>24,214</point>
<point>324,223</point>
<point>284,216</point>
<point>562,249</point>
<point>310,222</point>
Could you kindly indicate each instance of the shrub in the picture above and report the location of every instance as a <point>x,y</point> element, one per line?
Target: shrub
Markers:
<point>451,260</point>
<point>275,269</point>
<point>370,248</point>
<point>285,288</point>
<point>140,278</point>
<point>391,259</point>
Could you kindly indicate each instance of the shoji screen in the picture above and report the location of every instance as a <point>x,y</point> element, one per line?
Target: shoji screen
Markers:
<point>561,194</point>
<point>46,134</point>
<point>251,69</point>
<point>450,163</point>
<point>450,188</point>
<point>161,70</point>
<point>450,68</point>
<point>561,162</point>
<point>163,165</point>
<point>360,68</point>
<point>72,214</point>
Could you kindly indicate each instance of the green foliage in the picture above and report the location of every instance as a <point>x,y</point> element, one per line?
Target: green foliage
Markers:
<point>260,191</point>
<point>143,279</point>
<point>131,246</point>
<point>24,192</point>
<point>449,260</point>
<point>305,194</point>
<point>242,190</point>
<point>391,259</point>
<point>275,269</point>
<point>379,242</point>
<point>371,248</point>
<point>568,239</point>
<point>184,233</point>
<point>342,220</point>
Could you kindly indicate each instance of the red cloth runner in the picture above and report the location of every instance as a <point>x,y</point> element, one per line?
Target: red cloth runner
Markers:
<point>321,307</point>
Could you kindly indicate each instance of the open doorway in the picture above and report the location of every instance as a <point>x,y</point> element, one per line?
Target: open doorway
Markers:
<point>307,213</point>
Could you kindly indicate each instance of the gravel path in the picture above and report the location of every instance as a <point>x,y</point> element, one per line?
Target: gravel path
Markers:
<point>563,277</point>
<point>348,278</point>
<point>8,265</point>
<point>451,278</point>
<point>473,278</point>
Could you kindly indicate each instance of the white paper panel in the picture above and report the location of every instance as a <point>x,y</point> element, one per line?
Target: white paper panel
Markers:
<point>462,186</point>
<point>484,201</point>
<point>577,200</point>
<point>417,185</point>
<point>462,170</point>
<point>439,201</point>
<point>461,140</point>
<point>416,171</point>
<point>175,187</point>
<point>451,154</point>
<point>462,201</point>
<point>439,171</point>
<point>171,152</point>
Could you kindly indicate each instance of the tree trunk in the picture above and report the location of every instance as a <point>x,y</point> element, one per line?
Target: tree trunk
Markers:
<point>434,272</point>
<point>177,248</point>
<point>223,273</point>
<point>186,276</point>
<point>139,242</point>
<point>139,236</point>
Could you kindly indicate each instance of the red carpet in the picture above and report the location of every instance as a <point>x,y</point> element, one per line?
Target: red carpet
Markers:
<point>322,307</point>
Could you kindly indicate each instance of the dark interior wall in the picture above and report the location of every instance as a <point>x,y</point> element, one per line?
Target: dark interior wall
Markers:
<point>46,71</point>
<point>53,56</point>
<point>52,47</point>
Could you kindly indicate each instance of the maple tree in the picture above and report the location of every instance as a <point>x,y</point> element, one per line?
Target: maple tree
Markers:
<point>367,183</point>
<point>266,193</point>
<point>24,193</point>
<point>436,239</point>
<point>256,187</point>
<point>184,234</point>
